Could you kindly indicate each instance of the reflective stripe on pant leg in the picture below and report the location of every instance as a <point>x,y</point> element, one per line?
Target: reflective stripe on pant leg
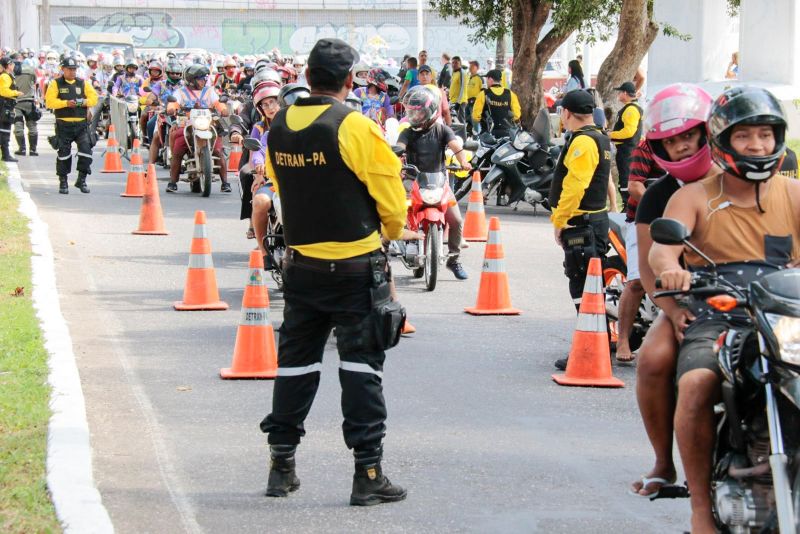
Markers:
<point>84,164</point>
<point>298,371</point>
<point>359,368</point>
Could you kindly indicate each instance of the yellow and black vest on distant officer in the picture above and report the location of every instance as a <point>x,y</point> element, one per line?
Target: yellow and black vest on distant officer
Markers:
<point>8,99</point>
<point>627,129</point>
<point>592,196</point>
<point>501,104</point>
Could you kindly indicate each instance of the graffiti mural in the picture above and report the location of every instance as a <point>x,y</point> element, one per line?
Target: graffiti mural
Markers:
<point>147,29</point>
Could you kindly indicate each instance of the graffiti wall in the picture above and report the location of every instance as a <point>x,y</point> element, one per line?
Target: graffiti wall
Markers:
<point>393,32</point>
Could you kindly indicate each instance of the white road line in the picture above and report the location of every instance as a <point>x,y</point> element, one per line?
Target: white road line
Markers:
<point>78,504</point>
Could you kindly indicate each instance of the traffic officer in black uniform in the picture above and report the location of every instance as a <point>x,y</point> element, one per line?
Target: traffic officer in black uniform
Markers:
<point>339,183</point>
<point>627,133</point>
<point>70,97</point>
<point>502,105</point>
<point>579,191</point>
<point>8,100</point>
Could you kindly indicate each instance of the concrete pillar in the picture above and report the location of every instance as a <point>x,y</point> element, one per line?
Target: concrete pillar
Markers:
<point>706,55</point>
<point>769,42</point>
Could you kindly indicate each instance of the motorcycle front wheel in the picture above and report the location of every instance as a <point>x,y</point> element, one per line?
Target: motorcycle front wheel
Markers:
<point>206,170</point>
<point>432,247</point>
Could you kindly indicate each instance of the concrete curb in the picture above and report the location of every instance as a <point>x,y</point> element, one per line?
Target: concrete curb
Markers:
<point>78,504</point>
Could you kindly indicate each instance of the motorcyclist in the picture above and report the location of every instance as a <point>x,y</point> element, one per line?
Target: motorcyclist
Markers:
<point>681,150</point>
<point>288,74</point>
<point>195,94</point>
<point>245,84</point>
<point>170,85</point>
<point>248,112</point>
<point>226,82</point>
<point>375,103</point>
<point>155,82</point>
<point>749,213</point>
<point>425,142</point>
<point>130,83</point>
<point>360,73</point>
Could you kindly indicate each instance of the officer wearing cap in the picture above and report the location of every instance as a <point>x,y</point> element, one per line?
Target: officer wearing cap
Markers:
<point>501,104</point>
<point>70,98</point>
<point>578,193</point>
<point>8,99</point>
<point>626,133</point>
<point>339,183</point>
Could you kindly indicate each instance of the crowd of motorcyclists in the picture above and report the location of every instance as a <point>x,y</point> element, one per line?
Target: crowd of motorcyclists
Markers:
<point>710,164</point>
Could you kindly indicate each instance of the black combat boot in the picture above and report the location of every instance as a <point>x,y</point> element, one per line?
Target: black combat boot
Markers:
<point>21,143</point>
<point>282,478</point>
<point>5,139</point>
<point>33,140</point>
<point>80,183</point>
<point>63,185</point>
<point>370,486</point>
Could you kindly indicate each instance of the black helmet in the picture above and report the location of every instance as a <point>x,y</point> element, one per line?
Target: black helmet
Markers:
<point>291,93</point>
<point>174,69</point>
<point>194,73</point>
<point>745,105</point>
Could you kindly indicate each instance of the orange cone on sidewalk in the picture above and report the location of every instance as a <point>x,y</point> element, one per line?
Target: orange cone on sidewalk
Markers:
<point>234,158</point>
<point>200,292</point>
<point>254,355</point>
<point>475,221</point>
<point>135,185</point>
<point>493,293</point>
<point>113,159</point>
<point>151,219</point>
<point>589,362</point>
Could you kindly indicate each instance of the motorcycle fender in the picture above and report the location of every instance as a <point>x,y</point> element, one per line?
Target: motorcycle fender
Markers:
<point>203,134</point>
<point>495,173</point>
<point>432,215</point>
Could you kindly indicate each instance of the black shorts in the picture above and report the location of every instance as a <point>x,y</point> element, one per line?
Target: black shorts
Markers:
<point>697,349</point>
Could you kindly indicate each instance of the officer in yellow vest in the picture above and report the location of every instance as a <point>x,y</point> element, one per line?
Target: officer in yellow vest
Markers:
<point>8,100</point>
<point>501,104</point>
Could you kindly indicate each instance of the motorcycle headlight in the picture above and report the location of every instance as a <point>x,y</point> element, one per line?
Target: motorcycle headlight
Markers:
<point>514,156</point>
<point>787,332</point>
<point>201,123</point>
<point>432,196</point>
<point>500,153</point>
<point>522,140</point>
<point>133,107</point>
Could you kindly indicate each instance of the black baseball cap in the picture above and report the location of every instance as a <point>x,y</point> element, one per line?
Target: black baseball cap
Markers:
<point>425,68</point>
<point>333,56</point>
<point>627,87</point>
<point>495,75</point>
<point>578,101</point>
<point>69,63</point>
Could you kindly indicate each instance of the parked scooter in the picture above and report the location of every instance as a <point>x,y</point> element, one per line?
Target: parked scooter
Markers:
<point>481,161</point>
<point>523,167</point>
<point>755,485</point>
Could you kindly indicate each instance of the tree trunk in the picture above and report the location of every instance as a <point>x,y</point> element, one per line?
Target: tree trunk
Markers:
<point>500,52</point>
<point>637,31</point>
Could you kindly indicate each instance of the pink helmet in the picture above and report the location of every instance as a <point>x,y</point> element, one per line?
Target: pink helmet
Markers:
<point>266,90</point>
<point>676,109</point>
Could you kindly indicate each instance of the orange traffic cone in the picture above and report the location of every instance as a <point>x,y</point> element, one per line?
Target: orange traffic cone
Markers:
<point>475,221</point>
<point>254,355</point>
<point>408,328</point>
<point>234,158</point>
<point>151,219</point>
<point>113,160</point>
<point>200,292</point>
<point>589,362</point>
<point>135,185</point>
<point>493,294</point>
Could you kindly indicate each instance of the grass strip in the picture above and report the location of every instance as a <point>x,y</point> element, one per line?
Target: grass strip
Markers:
<point>25,504</point>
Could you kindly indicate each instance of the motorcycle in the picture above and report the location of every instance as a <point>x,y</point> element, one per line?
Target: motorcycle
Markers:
<point>481,161</point>
<point>615,272</point>
<point>755,482</point>
<point>132,103</point>
<point>429,201</point>
<point>522,168</point>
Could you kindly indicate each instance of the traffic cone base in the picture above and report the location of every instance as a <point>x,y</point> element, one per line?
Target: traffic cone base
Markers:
<point>254,355</point>
<point>589,362</point>
<point>493,294</point>
<point>475,221</point>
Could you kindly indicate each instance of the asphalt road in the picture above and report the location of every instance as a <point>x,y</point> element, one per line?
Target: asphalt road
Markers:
<point>477,431</point>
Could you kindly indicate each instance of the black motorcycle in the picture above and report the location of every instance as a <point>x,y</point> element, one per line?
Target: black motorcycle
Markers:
<point>481,161</point>
<point>522,168</point>
<point>755,482</point>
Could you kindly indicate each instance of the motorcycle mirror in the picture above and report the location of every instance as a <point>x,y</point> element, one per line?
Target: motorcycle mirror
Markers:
<point>171,98</point>
<point>393,100</point>
<point>668,231</point>
<point>471,145</point>
<point>235,119</point>
<point>253,145</point>
<point>147,90</point>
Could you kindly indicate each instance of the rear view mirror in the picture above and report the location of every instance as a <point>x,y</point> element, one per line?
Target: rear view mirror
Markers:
<point>471,145</point>
<point>253,145</point>
<point>147,90</point>
<point>669,232</point>
<point>171,98</point>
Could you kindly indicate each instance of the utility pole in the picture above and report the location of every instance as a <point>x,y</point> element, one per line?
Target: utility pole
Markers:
<point>44,24</point>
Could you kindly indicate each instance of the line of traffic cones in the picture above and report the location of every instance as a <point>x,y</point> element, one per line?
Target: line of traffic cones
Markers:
<point>254,355</point>
<point>493,293</point>
<point>200,291</point>
<point>589,362</point>
<point>475,220</point>
<point>151,218</point>
<point>113,159</point>
<point>135,183</point>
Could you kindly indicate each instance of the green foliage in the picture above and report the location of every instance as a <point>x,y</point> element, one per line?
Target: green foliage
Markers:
<point>24,502</point>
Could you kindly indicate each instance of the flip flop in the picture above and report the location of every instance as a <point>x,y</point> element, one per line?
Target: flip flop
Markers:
<point>251,233</point>
<point>634,357</point>
<point>646,482</point>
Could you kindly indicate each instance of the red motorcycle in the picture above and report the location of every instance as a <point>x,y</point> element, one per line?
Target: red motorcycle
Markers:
<point>429,199</point>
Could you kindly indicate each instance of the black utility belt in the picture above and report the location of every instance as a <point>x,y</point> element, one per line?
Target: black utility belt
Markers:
<point>356,265</point>
<point>587,218</point>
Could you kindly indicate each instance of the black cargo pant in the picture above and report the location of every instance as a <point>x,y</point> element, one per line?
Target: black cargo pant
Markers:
<point>315,302</point>
<point>68,132</point>
<point>623,159</point>
<point>586,240</point>
<point>25,116</point>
